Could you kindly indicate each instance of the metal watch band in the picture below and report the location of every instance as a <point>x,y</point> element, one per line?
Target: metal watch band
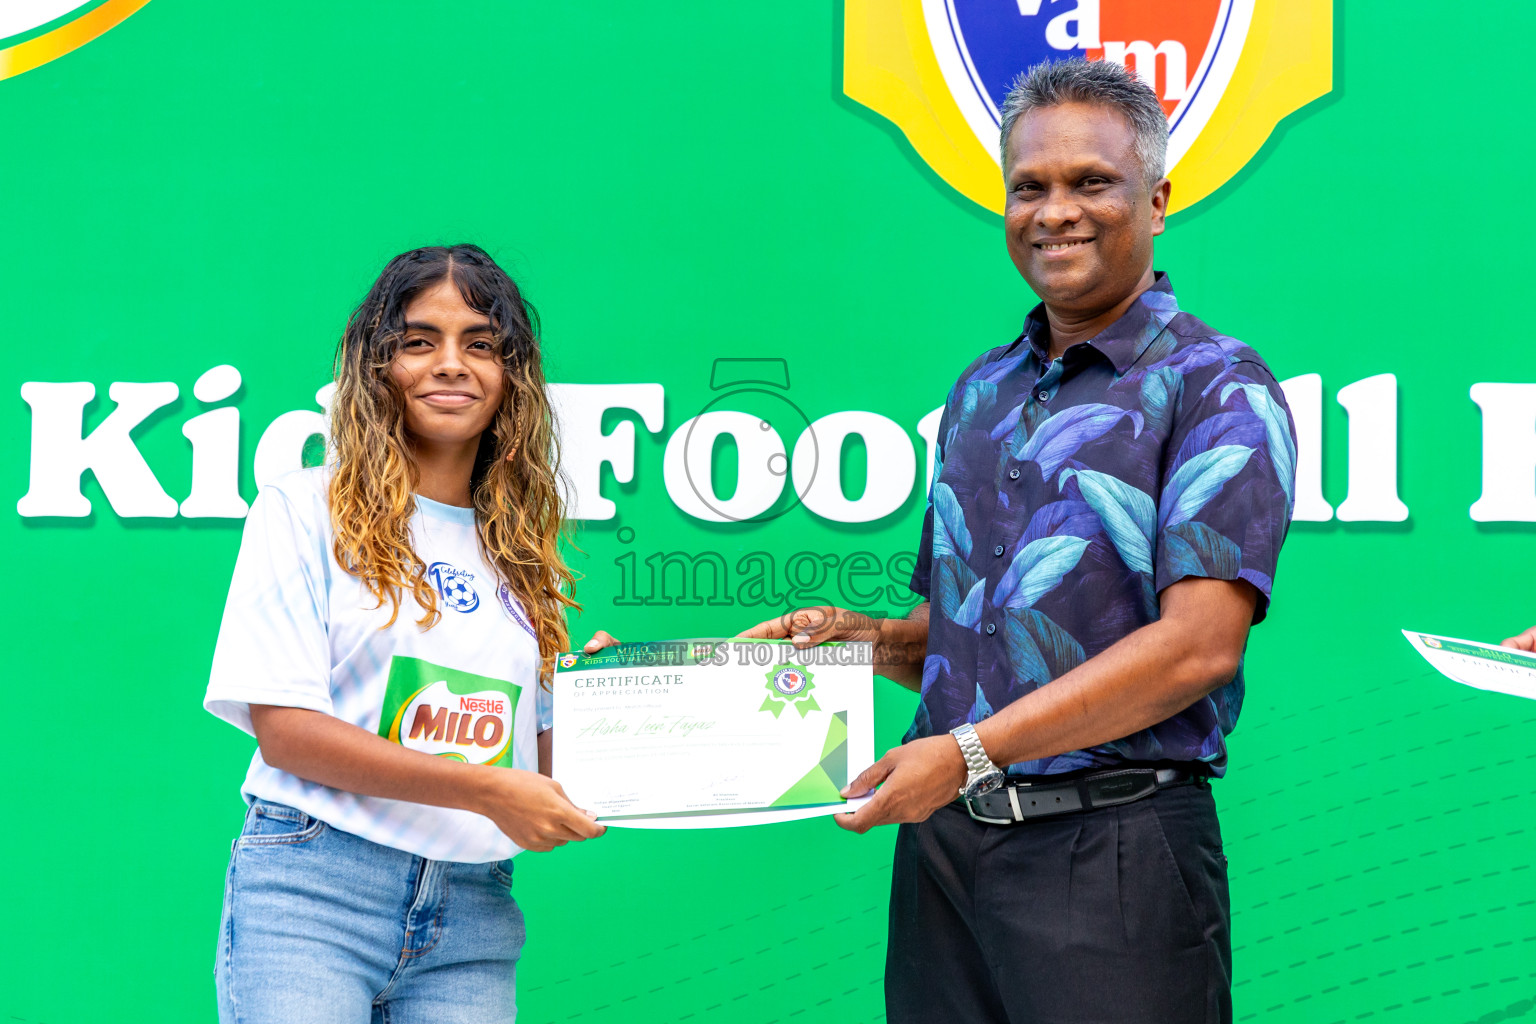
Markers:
<point>976,760</point>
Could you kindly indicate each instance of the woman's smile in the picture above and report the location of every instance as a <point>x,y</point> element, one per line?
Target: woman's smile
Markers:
<point>449,399</point>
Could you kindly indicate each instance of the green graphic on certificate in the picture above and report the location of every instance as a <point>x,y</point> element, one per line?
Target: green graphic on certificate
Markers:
<point>824,783</point>
<point>664,735</point>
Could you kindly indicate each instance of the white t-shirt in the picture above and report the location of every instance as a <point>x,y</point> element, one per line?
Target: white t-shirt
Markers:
<point>298,631</point>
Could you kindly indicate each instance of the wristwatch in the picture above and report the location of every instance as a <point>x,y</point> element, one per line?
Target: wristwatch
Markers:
<point>982,775</point>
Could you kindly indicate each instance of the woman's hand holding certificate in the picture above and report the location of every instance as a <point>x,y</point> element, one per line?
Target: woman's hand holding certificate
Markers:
<point>702,734</point>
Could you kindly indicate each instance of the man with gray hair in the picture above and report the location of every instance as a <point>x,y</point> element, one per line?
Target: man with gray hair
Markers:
<point>1110,496</point>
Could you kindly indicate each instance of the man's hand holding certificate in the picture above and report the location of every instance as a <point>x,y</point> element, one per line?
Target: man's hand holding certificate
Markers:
<point>701,734</point>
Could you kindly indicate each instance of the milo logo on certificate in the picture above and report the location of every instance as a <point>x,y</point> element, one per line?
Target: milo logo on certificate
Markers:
<point>448,713</point>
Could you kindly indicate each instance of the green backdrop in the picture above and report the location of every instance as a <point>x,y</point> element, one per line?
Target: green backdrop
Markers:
<point>213,184</point>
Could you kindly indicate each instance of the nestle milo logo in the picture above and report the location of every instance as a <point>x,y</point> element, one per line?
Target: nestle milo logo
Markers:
<point>448,713</point>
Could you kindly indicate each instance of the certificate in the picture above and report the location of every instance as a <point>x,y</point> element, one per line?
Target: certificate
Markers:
<point>706,734</point>
<point>1484,666</point>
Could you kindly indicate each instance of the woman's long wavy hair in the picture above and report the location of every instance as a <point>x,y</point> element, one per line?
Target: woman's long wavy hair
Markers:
<point>517,504</point>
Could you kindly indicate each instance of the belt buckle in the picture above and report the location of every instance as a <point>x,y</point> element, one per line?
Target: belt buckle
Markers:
<point>970,809</point>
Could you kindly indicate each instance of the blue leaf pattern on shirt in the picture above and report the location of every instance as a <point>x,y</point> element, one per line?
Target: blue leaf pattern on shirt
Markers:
<point>1159,392</point>
<point>1061,519</point>
<point>968,613</point>
<point>1194,549</point>
<point>1036,569</point>
<point>954,587</point>
<point>980,709</point>
<point>1128,514</point>
<point>1197,481</point>
<point>931,666</point>
<point>1277,431</point>
<point>978,399</point>
<point>951,536</point>
<point>1064,433</point>
<point>1040,647</point>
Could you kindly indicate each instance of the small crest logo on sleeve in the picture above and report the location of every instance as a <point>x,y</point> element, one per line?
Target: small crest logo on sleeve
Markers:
<point>1227,72</point>
<point>510,605</point>
<point>790,685</point>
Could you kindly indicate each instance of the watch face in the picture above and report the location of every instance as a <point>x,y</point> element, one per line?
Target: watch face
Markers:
<point>986,784</point>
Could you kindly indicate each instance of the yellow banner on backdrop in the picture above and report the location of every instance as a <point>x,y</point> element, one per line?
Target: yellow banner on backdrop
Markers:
<point>71,35</point>
<point>1228,71</point>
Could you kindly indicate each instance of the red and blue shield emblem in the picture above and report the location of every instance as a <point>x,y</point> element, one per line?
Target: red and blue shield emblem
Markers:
<point>789,681</point>
<point>1226,71</point>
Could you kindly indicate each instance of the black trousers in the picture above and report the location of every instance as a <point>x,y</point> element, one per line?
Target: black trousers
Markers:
<point>1113,916</point>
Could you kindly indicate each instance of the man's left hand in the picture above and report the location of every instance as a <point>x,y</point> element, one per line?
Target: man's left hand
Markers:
<point>914,780</point>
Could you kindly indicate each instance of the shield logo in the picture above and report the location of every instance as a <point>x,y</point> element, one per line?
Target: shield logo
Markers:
<point>788,682</point>
<point>1227,72</point>
<point>34,34</point>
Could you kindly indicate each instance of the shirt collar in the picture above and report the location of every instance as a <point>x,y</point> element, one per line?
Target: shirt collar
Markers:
<point>450,513</point>
<point>1123,341</point>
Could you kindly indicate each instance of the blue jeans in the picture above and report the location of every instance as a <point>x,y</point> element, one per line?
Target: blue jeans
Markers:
<point>324,927</point>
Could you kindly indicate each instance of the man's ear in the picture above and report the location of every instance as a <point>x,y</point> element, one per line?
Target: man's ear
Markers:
<point>1160,193</point>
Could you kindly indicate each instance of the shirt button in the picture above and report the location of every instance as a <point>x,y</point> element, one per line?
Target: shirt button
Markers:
<point>991,628</point>
<point>1044,396</point>
<point>1013,474</point>
<point>998,551</point>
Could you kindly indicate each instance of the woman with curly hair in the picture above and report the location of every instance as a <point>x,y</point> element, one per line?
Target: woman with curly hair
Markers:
<point>399,749</point>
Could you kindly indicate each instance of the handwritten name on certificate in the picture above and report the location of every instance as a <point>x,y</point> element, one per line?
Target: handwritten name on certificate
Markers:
<point>704,734</point>
<point>1485,666</point>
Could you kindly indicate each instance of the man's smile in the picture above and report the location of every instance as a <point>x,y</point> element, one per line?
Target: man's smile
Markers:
<point>1056,246</point>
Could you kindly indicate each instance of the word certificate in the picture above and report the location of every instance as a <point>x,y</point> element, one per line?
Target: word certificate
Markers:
<point>706,734</point>
<point>1485,666</point>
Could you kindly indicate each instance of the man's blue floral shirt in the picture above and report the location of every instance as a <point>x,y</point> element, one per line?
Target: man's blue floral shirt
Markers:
<point>1067,495</point>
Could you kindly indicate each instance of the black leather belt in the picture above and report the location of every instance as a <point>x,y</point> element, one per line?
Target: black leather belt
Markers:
<point>1020,800</point>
